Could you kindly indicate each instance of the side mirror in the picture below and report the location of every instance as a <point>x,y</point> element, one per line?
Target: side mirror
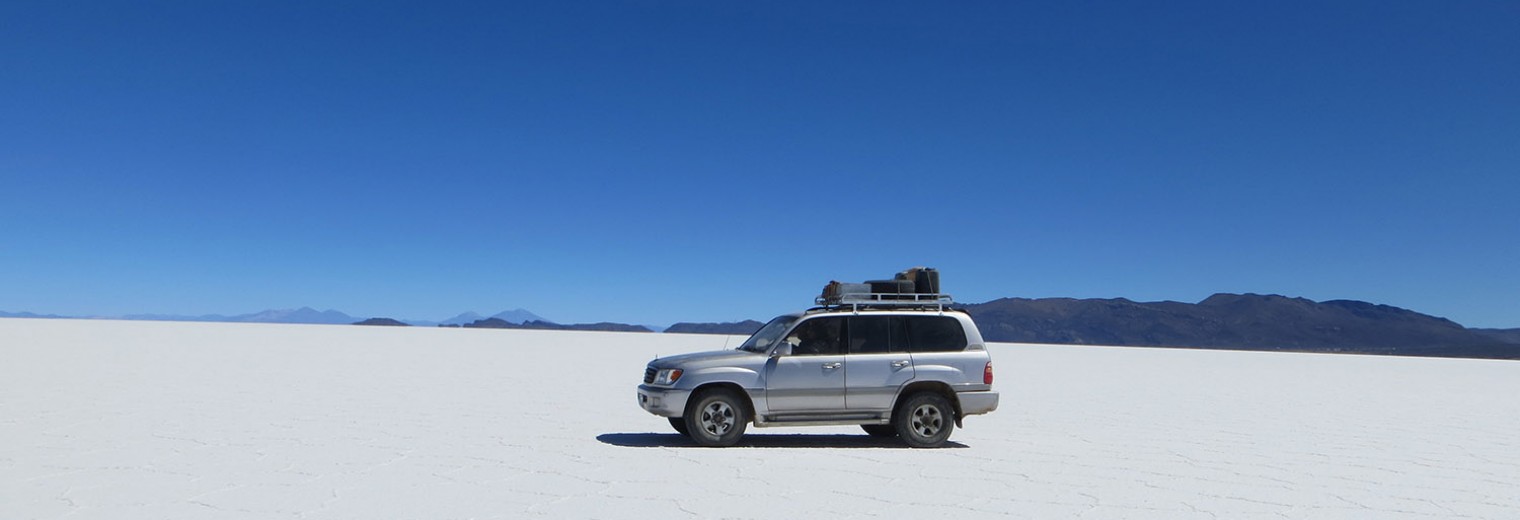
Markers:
<point>784,349</point>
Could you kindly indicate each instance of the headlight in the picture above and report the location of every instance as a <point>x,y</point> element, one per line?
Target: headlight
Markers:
<point>667,376</point>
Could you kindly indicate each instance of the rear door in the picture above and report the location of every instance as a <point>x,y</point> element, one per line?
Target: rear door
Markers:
<point>938,345</point>
<point>812,377</point>
<point>877,362</point>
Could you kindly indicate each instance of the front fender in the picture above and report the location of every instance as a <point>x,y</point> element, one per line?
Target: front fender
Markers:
<point>744,377</point>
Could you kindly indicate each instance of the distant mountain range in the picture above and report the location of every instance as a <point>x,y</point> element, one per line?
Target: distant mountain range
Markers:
<point>385,322</point>
<point>1224,321</point>
<point>745,327</point>
<point>1503,335</point>
<point>4,314</point>
<point>302,315</point>
<point>1240,321</point>
<point>498,323</point>
<point>468,317</point>
<point>513,316</point>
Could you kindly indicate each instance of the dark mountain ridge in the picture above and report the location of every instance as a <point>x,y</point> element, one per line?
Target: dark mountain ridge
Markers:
<point>745,327</point>
<point>385,322</point>
<point>1503,335</point>
<point>498,323</point>
<point>1235,321</point>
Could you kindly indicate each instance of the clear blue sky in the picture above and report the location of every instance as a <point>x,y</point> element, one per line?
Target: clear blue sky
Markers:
<point>653,162</point>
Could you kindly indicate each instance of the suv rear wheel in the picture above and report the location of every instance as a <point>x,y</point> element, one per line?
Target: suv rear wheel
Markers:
<point>924,420</point>
<point>716,418</point>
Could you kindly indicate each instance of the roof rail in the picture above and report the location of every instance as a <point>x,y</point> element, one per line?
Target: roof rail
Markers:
<point>857,301</point>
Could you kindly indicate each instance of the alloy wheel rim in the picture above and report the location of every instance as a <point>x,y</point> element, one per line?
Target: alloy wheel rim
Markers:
<point>717,418</point>
<point>927,420</point>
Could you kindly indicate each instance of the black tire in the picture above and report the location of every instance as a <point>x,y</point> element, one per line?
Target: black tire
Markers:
<point>924,420</point>
<point>716,417</point>
<point>679,423</point>
<point>880,430</point>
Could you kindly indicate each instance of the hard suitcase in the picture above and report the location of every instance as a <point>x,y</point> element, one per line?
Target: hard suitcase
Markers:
<point>834,291</point>
<point>925,279</point>
<point>891,286</point>
<point>830,291</point>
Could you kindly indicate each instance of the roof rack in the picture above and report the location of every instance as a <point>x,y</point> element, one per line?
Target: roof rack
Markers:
<point>857,301</point>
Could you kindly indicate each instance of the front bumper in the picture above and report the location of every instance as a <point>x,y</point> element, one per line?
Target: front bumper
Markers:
<point>977,403</point>
<point>663,401</point>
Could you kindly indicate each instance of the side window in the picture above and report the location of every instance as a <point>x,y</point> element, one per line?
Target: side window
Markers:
<point>818,337</point>
<point>899,334</point>
<point>936,334</point>
<point>877,335</point>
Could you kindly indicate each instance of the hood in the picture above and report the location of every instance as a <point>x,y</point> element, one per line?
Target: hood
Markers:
<point>702,359</point>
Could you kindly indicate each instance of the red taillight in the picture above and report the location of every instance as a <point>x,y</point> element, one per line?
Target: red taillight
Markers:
<point>987,374</point>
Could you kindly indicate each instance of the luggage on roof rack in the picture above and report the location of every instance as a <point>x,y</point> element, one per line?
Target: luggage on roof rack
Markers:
<point>925,279</point>
<point>837,290</point>
<point>894,286</point>
<point>915,287</point>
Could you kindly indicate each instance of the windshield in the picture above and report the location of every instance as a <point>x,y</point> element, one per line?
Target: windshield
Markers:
<point>767,335</point>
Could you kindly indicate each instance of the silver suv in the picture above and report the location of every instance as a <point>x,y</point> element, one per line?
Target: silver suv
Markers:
<point>912,372</point>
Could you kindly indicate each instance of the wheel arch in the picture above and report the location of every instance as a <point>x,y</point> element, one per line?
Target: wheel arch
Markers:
<point>938,387</point>
<point>744,397</point>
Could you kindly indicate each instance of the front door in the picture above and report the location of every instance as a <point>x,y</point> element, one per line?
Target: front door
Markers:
<point>812,377</point>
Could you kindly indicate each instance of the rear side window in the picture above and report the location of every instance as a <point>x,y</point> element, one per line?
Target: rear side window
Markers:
<point>877,335</point>
<point>935,334</point>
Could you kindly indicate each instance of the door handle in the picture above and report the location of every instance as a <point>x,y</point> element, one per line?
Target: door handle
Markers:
<point>831,366</point>
<point>899,364</point>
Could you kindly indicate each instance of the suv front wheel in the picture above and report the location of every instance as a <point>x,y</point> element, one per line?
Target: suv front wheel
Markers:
<point>924,420</point>
<point>716,418</point>
<point>679,423</point>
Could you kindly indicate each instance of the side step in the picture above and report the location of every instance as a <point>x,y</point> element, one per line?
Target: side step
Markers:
<point>853,419</point>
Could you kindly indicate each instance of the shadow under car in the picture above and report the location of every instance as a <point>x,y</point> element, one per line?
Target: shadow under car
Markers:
<point>750,440</point>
